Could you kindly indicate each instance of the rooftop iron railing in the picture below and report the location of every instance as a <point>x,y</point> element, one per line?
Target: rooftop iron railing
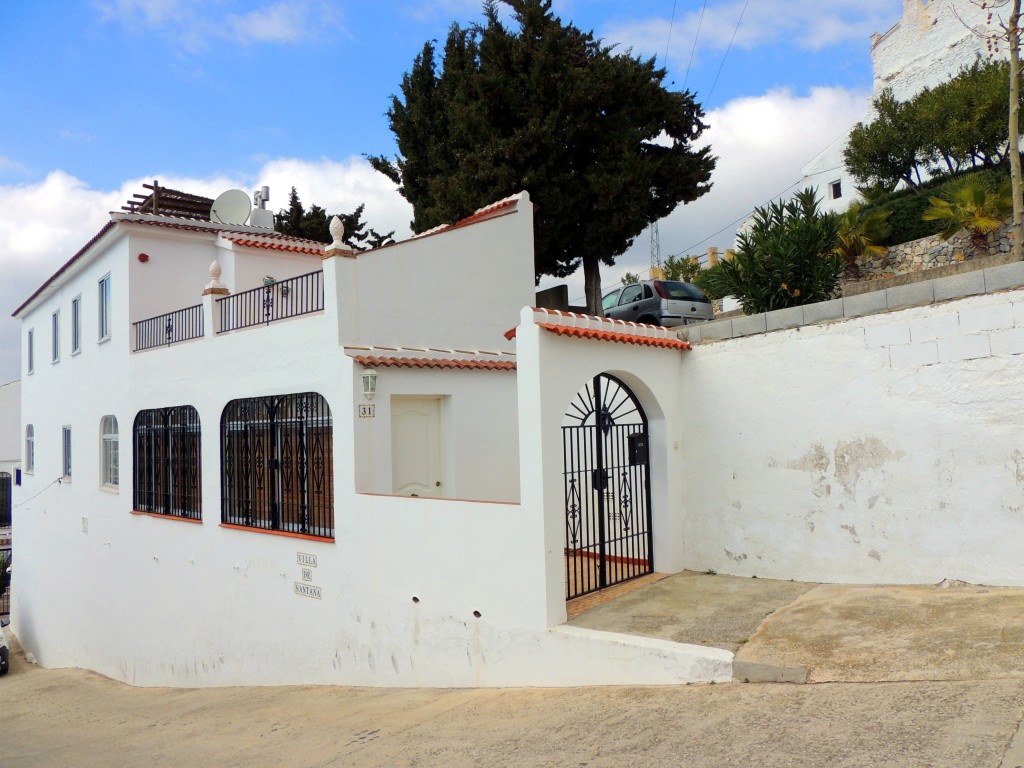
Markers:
<point>275,300</point>
<point>169,328</point>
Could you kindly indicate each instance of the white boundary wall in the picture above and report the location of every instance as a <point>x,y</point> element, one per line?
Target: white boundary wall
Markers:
<point>876,449</point>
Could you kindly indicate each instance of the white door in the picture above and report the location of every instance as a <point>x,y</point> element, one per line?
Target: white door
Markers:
<point>417,458</point>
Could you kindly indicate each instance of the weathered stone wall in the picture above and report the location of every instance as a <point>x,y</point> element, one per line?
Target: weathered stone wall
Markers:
<point>929,253</point>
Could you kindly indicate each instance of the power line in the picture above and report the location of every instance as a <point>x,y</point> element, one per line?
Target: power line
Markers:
<point>670,23</point>
<point>726,55</point>
<point>26,501</point>
<point>695,38</point>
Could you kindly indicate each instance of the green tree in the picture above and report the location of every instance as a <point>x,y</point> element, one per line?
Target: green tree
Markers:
<point>314,224</point>
<point>682,268</point>
<point>786,257</point>
<point>972,205</point>
<point>603,148</point>
<point>957,125</point>
<point>630,278</point>
<point>886,151</point>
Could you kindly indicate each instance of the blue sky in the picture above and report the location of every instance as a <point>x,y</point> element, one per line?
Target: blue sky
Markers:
<point>101,96</point>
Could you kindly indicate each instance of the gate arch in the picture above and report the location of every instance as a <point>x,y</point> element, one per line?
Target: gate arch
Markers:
<point>606,467</point>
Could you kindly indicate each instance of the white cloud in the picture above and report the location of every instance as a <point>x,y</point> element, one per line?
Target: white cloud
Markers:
<point>197,23</point>
<point>807,24</point>
<point>46,223</point>
<point>761,143</point>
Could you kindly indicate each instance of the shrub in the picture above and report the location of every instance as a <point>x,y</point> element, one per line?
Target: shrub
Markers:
<point>786,258</point>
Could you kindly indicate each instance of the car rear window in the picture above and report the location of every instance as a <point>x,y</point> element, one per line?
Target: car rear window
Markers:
<point>685,291</point>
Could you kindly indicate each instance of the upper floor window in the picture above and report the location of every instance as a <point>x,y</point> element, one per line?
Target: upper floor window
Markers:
<point>56,336</point>
<point>167,469</point>
<point>76,324</point>
<point>66,452</point>
<point>30,448</point>
<point>836,189</point>
<point>104,308</point>
<point>108,451</point>
<point>277,464</point>
<point>31,351</point>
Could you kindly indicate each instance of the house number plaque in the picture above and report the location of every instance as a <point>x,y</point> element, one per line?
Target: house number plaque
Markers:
<point>368,411</point>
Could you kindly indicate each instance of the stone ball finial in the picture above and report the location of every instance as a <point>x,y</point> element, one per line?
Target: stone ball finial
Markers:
<point>337,229</point>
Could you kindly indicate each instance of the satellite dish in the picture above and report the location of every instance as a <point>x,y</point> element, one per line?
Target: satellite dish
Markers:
<point>231,207</point>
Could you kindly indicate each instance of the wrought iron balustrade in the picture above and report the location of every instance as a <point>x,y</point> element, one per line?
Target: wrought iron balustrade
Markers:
<point>164,330</point>
<point>291,297</point>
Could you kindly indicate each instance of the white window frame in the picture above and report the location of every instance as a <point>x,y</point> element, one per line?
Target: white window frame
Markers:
<point>55,337</point>
<point>109,452</point>
<point>76,325</point>
<point>30,449</point>
<point>31,350</point>
<point>65,452</point>
<point>103,312</point>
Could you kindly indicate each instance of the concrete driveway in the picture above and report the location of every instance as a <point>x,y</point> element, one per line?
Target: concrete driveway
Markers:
<point>950,660</point>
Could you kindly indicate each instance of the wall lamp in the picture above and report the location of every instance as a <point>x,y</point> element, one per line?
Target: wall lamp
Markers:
<point>369,384</point>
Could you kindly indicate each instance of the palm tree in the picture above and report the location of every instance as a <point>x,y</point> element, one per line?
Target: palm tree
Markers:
<point>860,232</point>
<point>973,205</point>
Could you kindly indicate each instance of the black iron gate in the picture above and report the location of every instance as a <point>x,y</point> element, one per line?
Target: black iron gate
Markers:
<point>607,494</point>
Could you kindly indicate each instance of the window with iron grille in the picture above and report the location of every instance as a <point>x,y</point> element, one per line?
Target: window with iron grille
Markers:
<point>277,464</point>
<point>108,451</point>
<point>167,473</point>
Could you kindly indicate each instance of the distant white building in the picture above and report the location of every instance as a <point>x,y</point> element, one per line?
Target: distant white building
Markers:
<point>931,43</point>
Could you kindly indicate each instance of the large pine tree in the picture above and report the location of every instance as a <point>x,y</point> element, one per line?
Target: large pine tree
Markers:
<point>603,148</point>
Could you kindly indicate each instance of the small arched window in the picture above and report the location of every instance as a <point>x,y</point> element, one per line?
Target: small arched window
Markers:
<point>108,451</point>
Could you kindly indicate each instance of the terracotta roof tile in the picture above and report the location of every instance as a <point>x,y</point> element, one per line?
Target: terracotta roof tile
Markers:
<point>488,211</point>
<point>375,361</point>
<point>621,338</point>
<point>290,247</point>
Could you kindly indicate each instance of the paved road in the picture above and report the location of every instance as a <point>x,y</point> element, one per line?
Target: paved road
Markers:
<point>901,677</point>
<point>73,718</point>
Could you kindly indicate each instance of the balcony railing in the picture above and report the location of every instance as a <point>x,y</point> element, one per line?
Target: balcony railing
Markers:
<point>167,329</point>
<point>278,300</point>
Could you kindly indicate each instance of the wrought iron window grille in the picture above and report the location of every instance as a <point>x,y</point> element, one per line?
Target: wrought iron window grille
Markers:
<point>277,464</point>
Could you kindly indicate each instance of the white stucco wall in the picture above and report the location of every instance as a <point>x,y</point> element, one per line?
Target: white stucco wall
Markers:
<point>11,435</point>
<point>479,419</point>
<point>932,42</point>
<point>460,289</point>
<point>870,450</point>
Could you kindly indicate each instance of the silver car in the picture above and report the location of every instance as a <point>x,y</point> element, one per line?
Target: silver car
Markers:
<point>659,302</point>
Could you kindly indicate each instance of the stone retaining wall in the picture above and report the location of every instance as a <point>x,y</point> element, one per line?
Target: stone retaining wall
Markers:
<point>931,252</point>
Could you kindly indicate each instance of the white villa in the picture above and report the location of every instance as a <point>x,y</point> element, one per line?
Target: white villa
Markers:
<point>253,459</point>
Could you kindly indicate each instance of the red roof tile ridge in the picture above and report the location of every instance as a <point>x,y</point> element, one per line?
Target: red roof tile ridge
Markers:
<point>404,352</point>
<point>619,337</point>
<point>480,214</point>
<point>373,361</point>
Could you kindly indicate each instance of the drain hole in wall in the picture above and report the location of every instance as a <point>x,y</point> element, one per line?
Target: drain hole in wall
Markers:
<point>477,614</point>
<point>415,599</point>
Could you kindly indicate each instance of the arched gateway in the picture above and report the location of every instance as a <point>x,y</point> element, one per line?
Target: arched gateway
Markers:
<point>607,494</point>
